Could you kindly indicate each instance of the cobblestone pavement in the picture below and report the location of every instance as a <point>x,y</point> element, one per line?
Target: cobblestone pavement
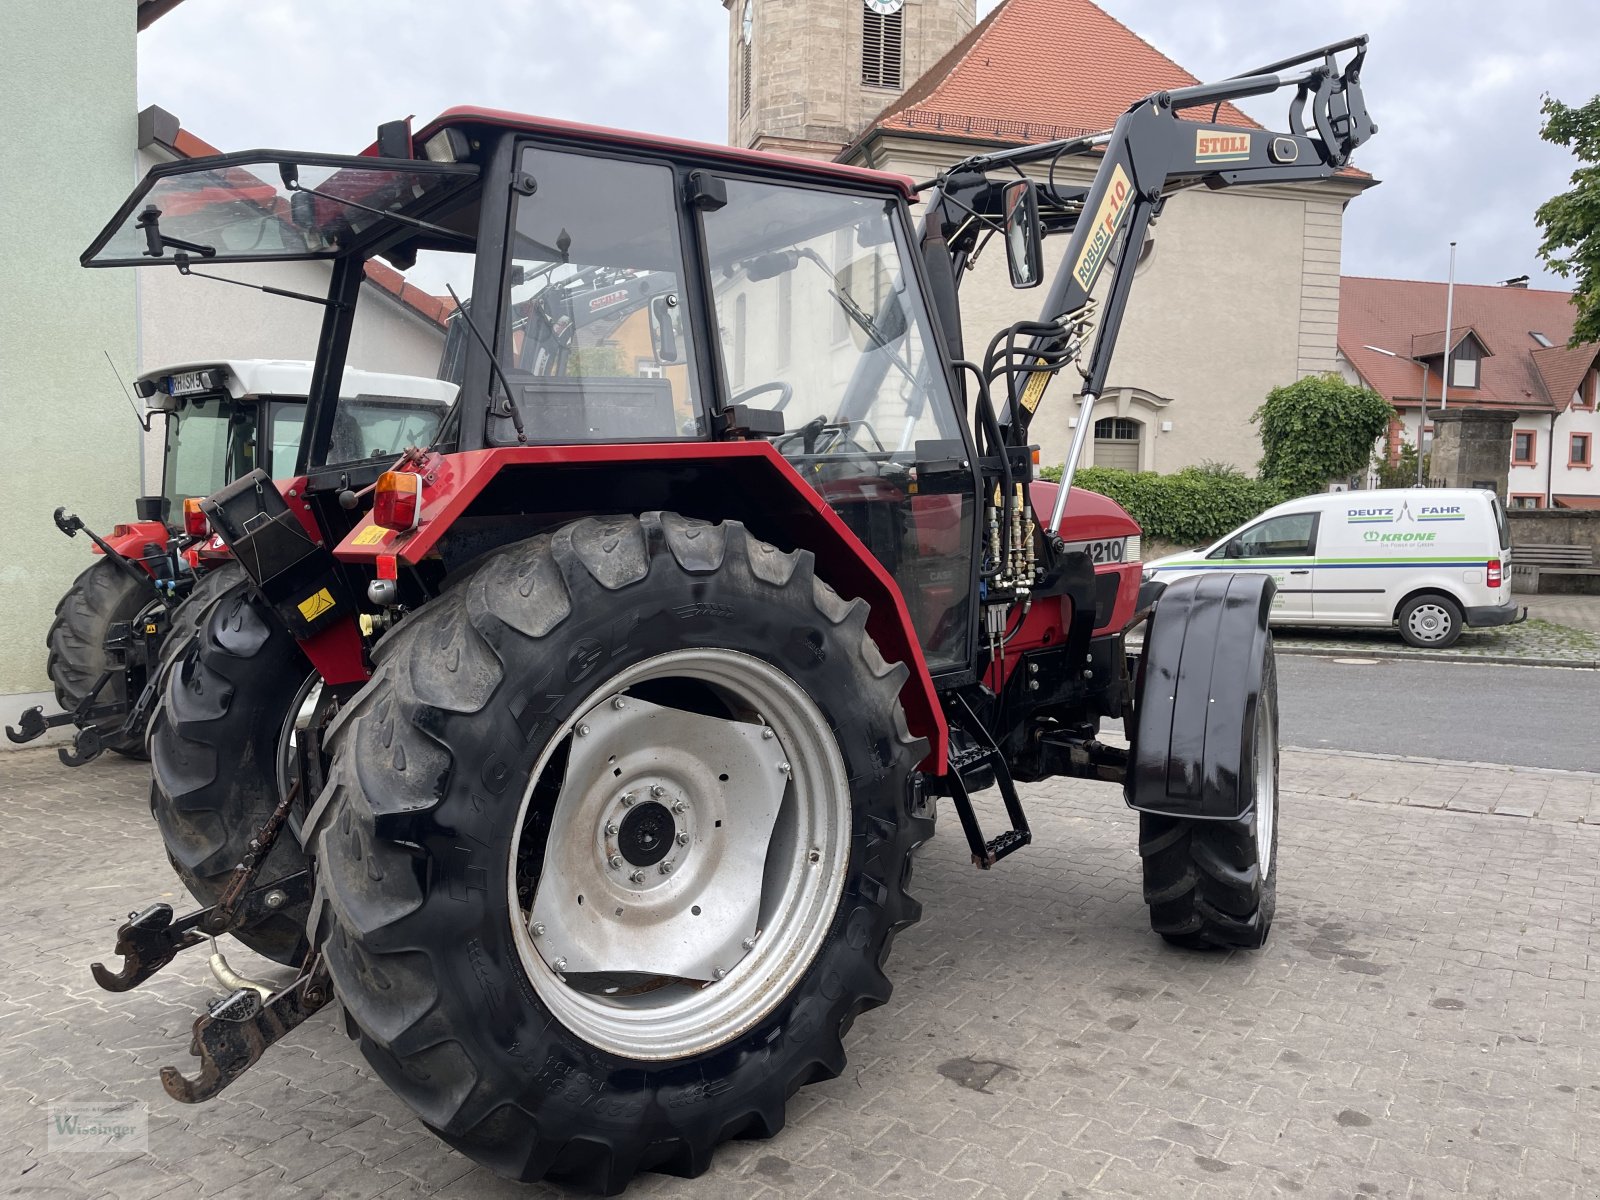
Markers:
<point>1536,641</point>
<point>1575,612</point>
<point>1422,1023</point>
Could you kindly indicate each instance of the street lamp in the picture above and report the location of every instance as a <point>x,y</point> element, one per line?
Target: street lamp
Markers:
<point>1422,423</point>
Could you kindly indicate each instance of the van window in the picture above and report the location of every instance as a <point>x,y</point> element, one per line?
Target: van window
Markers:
<point>1293,535</point>
<point>1500,522</point>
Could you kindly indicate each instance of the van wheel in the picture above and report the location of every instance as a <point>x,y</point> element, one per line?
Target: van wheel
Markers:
<point>1430,621</point>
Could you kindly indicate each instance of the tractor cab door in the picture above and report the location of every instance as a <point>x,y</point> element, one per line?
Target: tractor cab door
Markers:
<point>820,319</point>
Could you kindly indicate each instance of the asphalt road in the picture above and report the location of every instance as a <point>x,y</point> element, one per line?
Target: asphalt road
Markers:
<point>1468,712</point>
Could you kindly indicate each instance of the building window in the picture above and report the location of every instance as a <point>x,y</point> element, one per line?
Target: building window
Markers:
<point>1117,443</point>
<point>1540,338</point>
<point>1579,453</point>
<point>882,39</point>
<point>1524,447</point>
<point>1526,500</point>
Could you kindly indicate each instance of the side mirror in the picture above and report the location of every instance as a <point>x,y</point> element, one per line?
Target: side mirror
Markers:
<point>1024,234</point>
<point>663,333</point>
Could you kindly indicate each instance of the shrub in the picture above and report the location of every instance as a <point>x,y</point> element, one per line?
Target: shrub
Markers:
<point>1193,507</point>
<point>1318,430</point>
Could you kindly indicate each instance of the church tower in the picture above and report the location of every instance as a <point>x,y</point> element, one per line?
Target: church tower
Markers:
<point>806,76</point>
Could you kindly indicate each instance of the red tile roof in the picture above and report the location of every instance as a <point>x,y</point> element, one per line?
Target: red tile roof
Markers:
<point>434,308</point>
<point>1396,314</point>
<point>1564,501</point>
<point>1033,70</point>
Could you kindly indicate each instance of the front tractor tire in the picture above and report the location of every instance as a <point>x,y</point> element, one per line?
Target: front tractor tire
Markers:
<point>1204,771</point>
<point>614,846</point>
<point>100,597</point>
<point>217,745</point>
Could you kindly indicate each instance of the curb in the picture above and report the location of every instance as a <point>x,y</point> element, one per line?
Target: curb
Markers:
<point>1502,660</point>
<point>1377,756</point>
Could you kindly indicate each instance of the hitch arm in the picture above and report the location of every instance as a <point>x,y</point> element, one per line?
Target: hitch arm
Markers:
<point>151,939</point>
<point>229,1041</point>
<point>71,524</point>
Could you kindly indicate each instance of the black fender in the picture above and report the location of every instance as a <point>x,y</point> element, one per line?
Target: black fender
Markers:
<point>1205,663</point>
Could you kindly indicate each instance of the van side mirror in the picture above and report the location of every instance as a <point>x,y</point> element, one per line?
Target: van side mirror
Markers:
<point>1024,234</point>
<point>663,333</point>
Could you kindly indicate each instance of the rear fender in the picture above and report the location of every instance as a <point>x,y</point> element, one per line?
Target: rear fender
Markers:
<point>531,488</point>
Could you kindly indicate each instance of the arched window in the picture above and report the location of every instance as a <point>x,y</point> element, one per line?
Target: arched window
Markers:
<point>882,41</point>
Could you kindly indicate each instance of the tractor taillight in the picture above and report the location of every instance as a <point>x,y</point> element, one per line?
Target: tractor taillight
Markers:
<point>194,521</point>
<point>397,500</point>
<point>1496,576</point>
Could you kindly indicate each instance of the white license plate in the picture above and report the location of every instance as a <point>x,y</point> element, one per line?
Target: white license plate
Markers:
<point>1103,550</point>
<point>186,384</point>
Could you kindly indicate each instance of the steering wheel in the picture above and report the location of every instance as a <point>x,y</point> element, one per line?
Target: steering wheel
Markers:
<point>777,385</point>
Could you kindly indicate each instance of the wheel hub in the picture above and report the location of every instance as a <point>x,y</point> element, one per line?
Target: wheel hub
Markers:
<point>647,834</point>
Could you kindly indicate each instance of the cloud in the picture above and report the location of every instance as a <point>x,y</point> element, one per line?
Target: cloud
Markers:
<point>1455,89</point>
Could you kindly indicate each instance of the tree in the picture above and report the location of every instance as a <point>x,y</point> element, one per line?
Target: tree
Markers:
<point>1571,221</point>
<point>1318,430</point>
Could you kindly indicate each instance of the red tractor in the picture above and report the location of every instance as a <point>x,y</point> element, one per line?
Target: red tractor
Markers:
<point>130,611</point>
<point>582,753</point>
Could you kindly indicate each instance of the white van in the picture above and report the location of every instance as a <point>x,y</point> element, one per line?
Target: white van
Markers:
<point>1430,560</point>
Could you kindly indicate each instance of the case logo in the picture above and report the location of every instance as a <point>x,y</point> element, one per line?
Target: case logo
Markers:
<point>1107,220</point>
<point>1213,147</point>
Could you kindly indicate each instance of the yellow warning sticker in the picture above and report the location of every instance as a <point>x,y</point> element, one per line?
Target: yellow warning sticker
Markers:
<point>1033,390</point>
<point>315,605</point>
<point>372,535</point>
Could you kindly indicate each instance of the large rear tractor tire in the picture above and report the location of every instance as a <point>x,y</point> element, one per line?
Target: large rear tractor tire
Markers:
<point>101,596</point>
<point>1206,741</point>
<point>216,746</point>
<point>614,846</point>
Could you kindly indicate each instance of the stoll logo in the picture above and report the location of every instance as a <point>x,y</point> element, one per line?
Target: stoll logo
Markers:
<point>1212,146</point>
<point>97,1127</point>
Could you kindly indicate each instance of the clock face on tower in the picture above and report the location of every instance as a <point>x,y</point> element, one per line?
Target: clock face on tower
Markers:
<point>749,19</point>
<point>886,8</point>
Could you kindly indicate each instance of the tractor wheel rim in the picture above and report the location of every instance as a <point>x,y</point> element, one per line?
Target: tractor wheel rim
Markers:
<point>298,719</point>
<point>1429,622</point>
<point>702,905</point>
<point>1266,786</point>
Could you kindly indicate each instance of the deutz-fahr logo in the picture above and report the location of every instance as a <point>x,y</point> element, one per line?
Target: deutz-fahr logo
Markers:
<point>1213,147</point>
<point>1113,208</point>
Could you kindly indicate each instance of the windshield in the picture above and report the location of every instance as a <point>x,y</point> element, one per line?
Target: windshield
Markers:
<point>364,427</point>
<point>242,208</point>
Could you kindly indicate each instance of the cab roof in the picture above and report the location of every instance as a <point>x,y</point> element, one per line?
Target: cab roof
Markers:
<point>818,170</point>
<point>292,377</point>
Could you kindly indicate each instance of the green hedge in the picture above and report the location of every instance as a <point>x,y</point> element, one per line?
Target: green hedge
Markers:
<point>1193,507</point>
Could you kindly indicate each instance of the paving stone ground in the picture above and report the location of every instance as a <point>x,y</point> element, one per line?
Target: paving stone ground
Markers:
<point>1423,1023</point>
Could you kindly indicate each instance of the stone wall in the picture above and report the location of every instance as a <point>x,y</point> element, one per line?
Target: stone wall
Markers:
<point>1558,527</point>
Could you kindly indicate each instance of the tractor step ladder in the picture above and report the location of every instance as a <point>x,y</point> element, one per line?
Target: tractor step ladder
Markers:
<point>972,768</point>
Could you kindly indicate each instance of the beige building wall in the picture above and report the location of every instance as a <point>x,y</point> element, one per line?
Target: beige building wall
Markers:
<point>806,91</point>
<point>67,90</point>
<point>1238,296</point>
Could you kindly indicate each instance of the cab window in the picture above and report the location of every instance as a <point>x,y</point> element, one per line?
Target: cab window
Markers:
<point>1293,535</point>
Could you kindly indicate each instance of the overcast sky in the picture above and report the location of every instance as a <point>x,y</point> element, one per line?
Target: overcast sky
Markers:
<point>1454,87</point>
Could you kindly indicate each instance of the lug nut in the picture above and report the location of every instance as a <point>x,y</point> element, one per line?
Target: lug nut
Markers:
<point>583,731</point>
<point>275,898</point>
<point>616,862</point>
<point>717,972</point>
<point>749,943</point>
<point>619,703</point>
<point>683,839</point>
<point>767,735</point>
<point>560,964</point>
<point>611,829</point>
<point>637,877</point>
<point>666,867</point>
<point>784,767</point>
<point>538,929</point>
<point>678,807</point>
<point>627,799</point>
<point>657,790</point>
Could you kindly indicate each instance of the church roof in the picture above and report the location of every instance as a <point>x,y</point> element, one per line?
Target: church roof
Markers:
<point>1033,70</point>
